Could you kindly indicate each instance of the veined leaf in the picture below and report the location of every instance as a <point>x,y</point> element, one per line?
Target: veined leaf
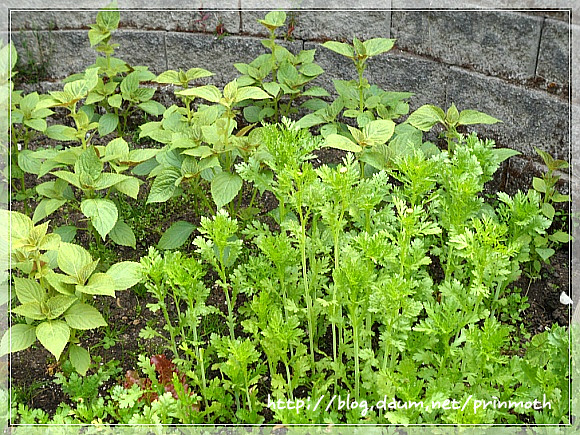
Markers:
<point>122,234</point>
<point>83,316</point>
<point>103,214</point>
<point>125,274</point>
<point>340,48</point>
<point>59,304</point>
<point>251,93</point>
<point>17,338</point>
<point>53,335</point>
<point>46,207</point>
<point>340,142</point>
<point>176,235</point>
<point>467,117</point>
<point>273,20</point>
<point>79,358</point>
<point>98,284</point>
<point>72,259</point>
<point>379,131</point>
<point>425,117</point>
<point>61,132</point>
<point>377,46</point>
<point>207,92</point>
<point>108,123</point>
<point>164,186</point>
<point>30,310</point>
<point>224,187</point>
<point>28,290</point>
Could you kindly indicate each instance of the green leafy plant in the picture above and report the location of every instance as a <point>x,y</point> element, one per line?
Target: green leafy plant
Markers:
<point>282,75</point>
<point>90,179</point>
<point>426,116</point>
<point>55,305</point>
<point>118,91</point>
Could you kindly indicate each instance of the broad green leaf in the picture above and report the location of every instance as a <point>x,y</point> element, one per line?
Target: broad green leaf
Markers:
<point>425,117</point>
<point>61,132</point>
<point>152,108</point>
<point>18,337</point>
<point>53,335</point>
<point>252,113</point>
<point>83,316</point>
<point>452,115</point>
<point>129,186</point>
<point>340,142</point>
<point>36,124</point>
<point>130,84</point>
<point>272,88</point>
<point>170,77</point>
<point>57,189</point>
<point>72,259</point>
<point>20,224</point>
<point>502,154</point>
<point>164,186</point>
<point>106,180</point>
<point>309,120</point>
<point>125,274</point>
<point>59,304</point>
<point>30,310</point>
<point>88,165</point>
<point>103,214</point>
<point>207,92</point>
<point>539,184</point>
<point>69,177</point>
<point>548,210</point>
<point>467,117</point>
<point>377,46</point>
<point>176,235</point>
<point>558,197</point>
<point>122,234</point>
<point>315,91</point>
<point>108,18</point>
<point>311,70</point>
<point>560,236</point>
<point>197,73</point>
<point>273,20</point>
<point>115,100</point>
<point>108,123</point>
<point>67,233</point>
<point>98,284</point>
<point>46,207</point>
<point>545,253</point>
<point>224,187</point>
<point>63,284</point>
<point>379,131</point>
<point>141,155</point>
<point>28,290</point>
<point>79,358</point>
<point>251,93</point>
<point>359,47</point>
<point>28,163</point>
<point>49,242</point>
<point>340,48</point>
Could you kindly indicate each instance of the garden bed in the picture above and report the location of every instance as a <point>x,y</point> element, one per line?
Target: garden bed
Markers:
<point>246,260</point>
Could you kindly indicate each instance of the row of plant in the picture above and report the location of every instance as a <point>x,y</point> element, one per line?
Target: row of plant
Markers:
<point>388,275</point>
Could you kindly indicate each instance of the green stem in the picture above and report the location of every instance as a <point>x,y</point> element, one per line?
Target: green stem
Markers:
<point>356,359</point>
<point>360,88</point>
<point>307,295</point>
<point>228,301</point>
